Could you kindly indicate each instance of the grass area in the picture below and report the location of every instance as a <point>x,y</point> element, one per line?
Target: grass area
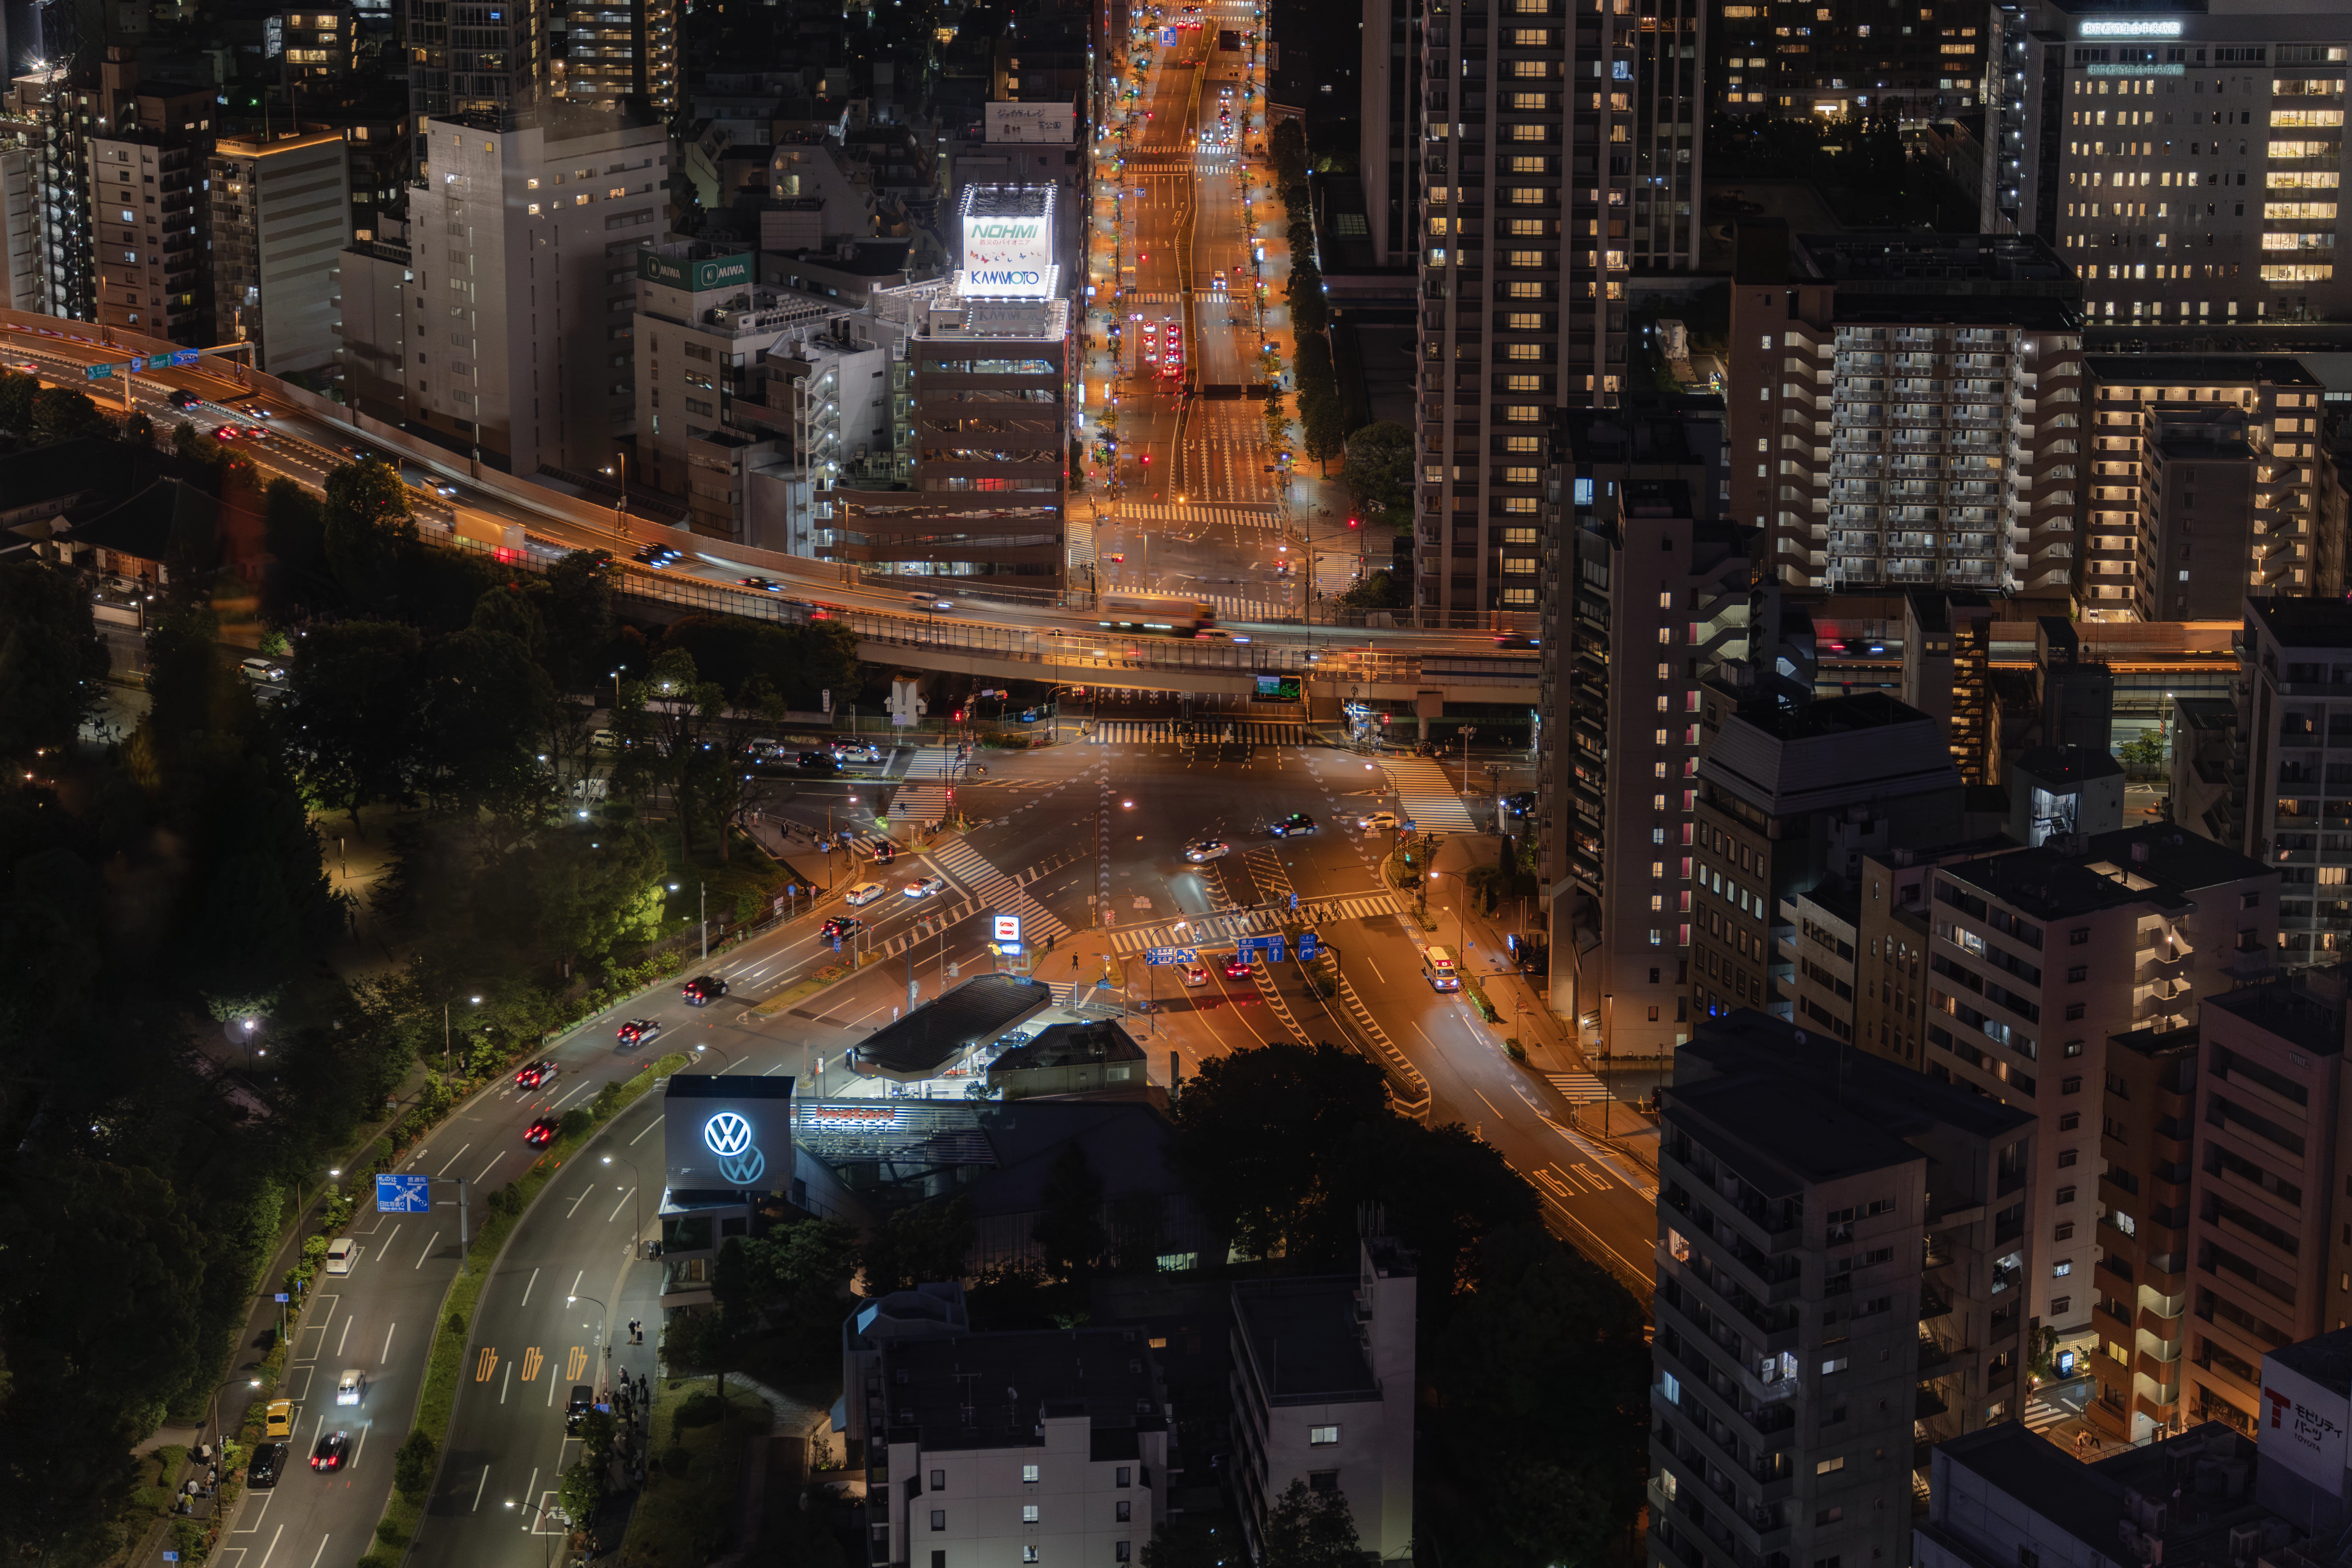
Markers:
<point>739,888</point>
<point>686,1513</point>
<point>445,1366</point>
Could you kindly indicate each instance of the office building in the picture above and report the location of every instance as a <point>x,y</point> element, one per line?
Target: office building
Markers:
<point>1791,795</point>
<point>1891,928</point>
<point>146,171</point>
<point>1841,1251</point>
<point>604,54</point>
<point>1049,1446</point>
<point>2139,1322</point>
<point>2185,165</point>
<point>2288,802</point>
<point>280,214</point>
<point>2268,1186</point>
<point>522,280</point>
<point>1948,673</point>
<point>1922,64</point>
<point>2008,1495</point>
<point>2036,958</point>
<point>24,220</point>
<point>2204,485</point>
<point>1323,1394</point>
<point>1559,150</point>
<point>2304,1480</point>
<point>1389,153</point>
<point>317,47</point>
<point>1647,596</point>
<point>1916,412</point>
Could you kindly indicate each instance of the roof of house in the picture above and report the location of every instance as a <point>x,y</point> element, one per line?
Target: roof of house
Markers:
<point>993,1391</point>
<point>918,1045</point>
<point>66,469</point>
<point>1304,1337</point>
<point>170,520</point>
<point>2157,863</point>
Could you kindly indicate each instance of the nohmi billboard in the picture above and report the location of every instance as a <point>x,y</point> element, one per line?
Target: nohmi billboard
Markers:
<point>1008,242</point>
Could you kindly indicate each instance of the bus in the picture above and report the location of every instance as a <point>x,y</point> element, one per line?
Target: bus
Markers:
<point>1164,613</point>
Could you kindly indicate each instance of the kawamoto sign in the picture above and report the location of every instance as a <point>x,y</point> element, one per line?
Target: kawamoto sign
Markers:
<point>717,272</point>
<point>1007,255</point>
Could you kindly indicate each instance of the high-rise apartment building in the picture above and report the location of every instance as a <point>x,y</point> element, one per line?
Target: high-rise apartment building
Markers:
<point>1389,128</point>
<point>1918,409</point>
<point>280,213</point>
<point>474,58</point>
<point>2138,1323</point>
<point>2268,1188</point>
<point>2184,163</point>
<point>2204,484</point>
<point>2288,800</point>
<point>1948,672</point>
<point>521,275</point>
<point>145,195</point>
<point>603,52</point>
<point>1559,149</point>
<point>1841,1250</point>
<point>2036,958</point>
<point>1791,795</point>
<point>1790,57</point>
<point>1648,595</point>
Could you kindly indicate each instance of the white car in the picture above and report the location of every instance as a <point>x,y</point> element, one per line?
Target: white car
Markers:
<point>863,894</point>
<point>1201,849</point>
<point>1378,822</point>
<point>351,1387</point>
<point>923,888</point>
<point>856,752</point>
<point>266,670</point>
<point>763,746</point>
<point>341,1253</point>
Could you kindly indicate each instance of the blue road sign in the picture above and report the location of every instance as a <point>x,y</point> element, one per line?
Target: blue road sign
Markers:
<point>1308,947</point>
<point>170,1557</point>
<point>283,1298</point>
<point>1294,900</point>
<point>1171,955</point>
<point>1167,35</point>
<point>186,356</point>
<point>404,1195</point>
<point>1269,948</point>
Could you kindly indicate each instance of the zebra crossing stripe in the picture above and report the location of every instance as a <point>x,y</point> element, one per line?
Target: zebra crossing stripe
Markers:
<point>1578,1088</point>
<point>1207,731</point>
<point>993,889</point>
<point>923,802</point>
<point>1428,795</point>
<point>1225,925</point>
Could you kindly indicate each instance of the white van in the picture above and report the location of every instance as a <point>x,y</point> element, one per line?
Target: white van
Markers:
<point>341,1253</point>
<point>1437,968</point>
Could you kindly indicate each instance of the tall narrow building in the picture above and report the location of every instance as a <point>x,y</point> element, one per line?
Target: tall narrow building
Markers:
<point>1559,150</point>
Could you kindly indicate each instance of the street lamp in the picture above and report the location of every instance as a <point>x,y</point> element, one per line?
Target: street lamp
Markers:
<point>603,1326</point>
<point>212,1419</point>
<point>539,1512</point>
<point>637,1193</point>
<point>620,513</point>
<point>702,1045</point>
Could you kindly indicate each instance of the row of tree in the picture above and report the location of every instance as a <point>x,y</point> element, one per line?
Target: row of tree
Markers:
<point>1321,420</point>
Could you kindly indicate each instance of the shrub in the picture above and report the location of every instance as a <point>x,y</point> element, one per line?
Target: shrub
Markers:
<point>388,1532</point>
<point>412,1465</point>
<point>677,1461</point>
<point>576,1122</point>
<point>702,1408</point>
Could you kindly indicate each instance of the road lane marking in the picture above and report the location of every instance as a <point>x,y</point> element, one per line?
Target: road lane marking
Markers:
<point>486,1362</point>
<point>425,1254</point>
<point>273,1546</point>
<point>550,1401</point>
<point>488,1168</point>
<point>633,1141</point>
<point>321,1552</point>
<point>486,1481</point>
<point>527,1492</point>
<point>387,1343</point>
<point>617,1207</point>
<point>454,1159</point>
<point>358,1446</point>
<point>531,1362</point>
<point>559,1104</point>
<point>508,1383</point>
<point>526,1285</point>
<point>569,1296</point>
<point>391,1238</point>
<point>346,1338</point>
<point>576,1203</point>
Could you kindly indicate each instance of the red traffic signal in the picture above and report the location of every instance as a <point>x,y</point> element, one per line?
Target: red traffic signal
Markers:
<point>1353,522</point>
<point>958,715</point>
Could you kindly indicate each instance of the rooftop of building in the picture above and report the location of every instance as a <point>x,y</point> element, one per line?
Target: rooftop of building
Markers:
<point>2207,445</point>
<point>2325,1359</point>
<point>2305,1009</point>
<point>918,1045</point>
<point>2303,623</point>
<point>1007,201</point>
<point>2157,1042</point>
<point>1650,428</point>
<point>1835,900</point>
<point>170,521</point>
<point>1304,1337</point>
<point>2157,863</point>
<point>2197,369</point>
<point>1984,280</point>
<point>1789,756</point>
<point>2205,712</point>
<point>1071,1044</point>
<point>2068,764</point>
<point>994,1391</point>
<point>259,146</point>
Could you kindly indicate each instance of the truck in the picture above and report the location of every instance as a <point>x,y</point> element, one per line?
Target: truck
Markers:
<point>504,538</point>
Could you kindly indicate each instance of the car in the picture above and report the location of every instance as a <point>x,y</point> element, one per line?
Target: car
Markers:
<point>576,1408</point>
<point>924,886</point>
<point>841,926</point>
<point>1297,822</point>
<point>1512,642</point>
<point>1237,968</point>
<point>184,399</point>
<point>352,1386</point>
<point>1194,974</point>
<point>341,1253</point>
<point>1217,281</point>
<point>856,751</point>
<point>822,763</point>
<point>260,412</point>
<point>863,894</point>
<point>331,1450</point>
<point>25,367</point>
<point>536,1075</point>
<point>1520,804</point>
<point>539,1133</point>
<point>637,1031</point>
<point>359,454</point>
<point>1120,560</point>
<point>656,556</point>
<point>266,671</point>
<point>278,1418</point>
<point>703,990</point>
<point>1201,849</point>
<point>228,432</point>
<point>885,852</point>
<point>268,1459</point>
<point>604,740</point>
<point>764,584</point>
<point>442,487</point>
<point>1380,822</point>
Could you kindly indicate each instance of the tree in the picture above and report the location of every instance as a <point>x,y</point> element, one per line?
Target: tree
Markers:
<point>926,1242</point>
<point>585,895</point>
<point>1378,473</point>
<point>1278,417</point>
<point>16,394</point>
<point>581,1493</point>
<point>1187,1541</point>
<point>486,705</point>
<point>351,714</point>
<point>368,530</point>
<point>412,1463</point>
<point>257,907</point>
<point>1308,1529</point>
<point>1070,1230</point>
<point>1381,591</point>
<point>575,602</point>
<point>139,429</point>
<point>1256,1129</point>
<point>52,659</point>
<point>672,711</point>
<point>801,1269</point>
<point>293,529</point>
<point>61,414</point>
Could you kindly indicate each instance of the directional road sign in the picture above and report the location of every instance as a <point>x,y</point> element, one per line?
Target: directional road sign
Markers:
<point>1171,955</point>
<point>1308,947</point>
<point>1269,948</point>
<point>186,356</point>
<point>404,1195</point>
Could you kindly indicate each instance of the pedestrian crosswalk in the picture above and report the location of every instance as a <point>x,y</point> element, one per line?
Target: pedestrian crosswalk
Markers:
<point>1427,795</point>
<point>931,763</point>
<point>1223,926</point>
<point>2041,1415</point>
<point>1578,1088</point>
<point>924,804</point>
<point>998,892</point>
<point>1137,297</point>
<point>1231,608</point>
<point>1265,519</point>
<point>1079,538</point>
<point>1104,732</point>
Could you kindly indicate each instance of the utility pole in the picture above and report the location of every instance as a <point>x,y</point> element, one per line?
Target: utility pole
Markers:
<point>702,893</point>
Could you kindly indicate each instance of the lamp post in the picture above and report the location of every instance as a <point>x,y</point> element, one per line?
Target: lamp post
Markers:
<point>476,1001</point>
<point>620,467</point>
<point>603,1335</point>
<point>539,1512</point>
<point>212,1419</point>
<point>702,1045</point>
<point>636,1194</point>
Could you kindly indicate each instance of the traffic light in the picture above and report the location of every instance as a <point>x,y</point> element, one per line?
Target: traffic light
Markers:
<point>1354,522</point>
<point>958,715</point>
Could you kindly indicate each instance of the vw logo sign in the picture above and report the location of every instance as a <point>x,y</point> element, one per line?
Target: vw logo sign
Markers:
<point>729,1135</point>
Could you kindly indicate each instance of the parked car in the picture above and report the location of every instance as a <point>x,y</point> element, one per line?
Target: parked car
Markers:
<point>264,671</point>
<point>278,1418</point>
<point>268,1459</point>
<point>576,1409</point>
<point>341,1253</point>
<point>703,990</point>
